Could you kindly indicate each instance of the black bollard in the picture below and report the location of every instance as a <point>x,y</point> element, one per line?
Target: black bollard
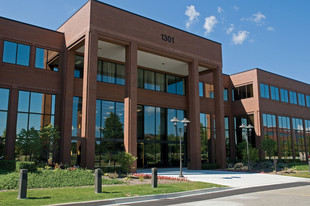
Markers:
<point>22,186</point>
<point>98,181</point>
<point>309,164</point>
<point>154,177</point>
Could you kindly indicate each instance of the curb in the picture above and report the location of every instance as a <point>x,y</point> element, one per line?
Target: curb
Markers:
<point>147,197</point>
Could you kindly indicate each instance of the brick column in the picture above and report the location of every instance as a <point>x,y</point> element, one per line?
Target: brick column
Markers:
<point>219,118</point>
<point>66,107</point>
<point>130,121</point>
<point>89,100</point>
<point>194,116</point>
<point>11,124</point>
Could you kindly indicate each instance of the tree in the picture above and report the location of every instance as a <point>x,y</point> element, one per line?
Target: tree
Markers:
<point>269,146</point>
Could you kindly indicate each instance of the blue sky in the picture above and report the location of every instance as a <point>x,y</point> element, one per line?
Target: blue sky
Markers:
<point>266,34</point>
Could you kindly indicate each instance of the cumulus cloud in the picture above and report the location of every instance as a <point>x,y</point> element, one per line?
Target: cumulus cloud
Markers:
<point>257,18</point>
<point>209,24</point>
<point>230,29</point>
<point>220,9</point>
<point>270,28</point>
<point>240,37</point>
<point>192,15</point>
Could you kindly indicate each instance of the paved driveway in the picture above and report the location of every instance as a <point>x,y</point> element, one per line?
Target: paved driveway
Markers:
<point>232,179</point>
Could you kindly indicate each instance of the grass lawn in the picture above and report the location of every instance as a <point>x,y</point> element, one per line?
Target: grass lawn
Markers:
<point>299,174</point>
<point>63,195</point>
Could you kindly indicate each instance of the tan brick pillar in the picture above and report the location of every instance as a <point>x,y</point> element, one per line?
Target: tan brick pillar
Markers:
<point>89,100</point>
<point>219,118</point>
<point>193,138</point>
<point>130,121</point>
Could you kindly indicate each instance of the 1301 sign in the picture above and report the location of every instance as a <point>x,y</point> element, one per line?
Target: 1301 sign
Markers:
<point>167,38</point>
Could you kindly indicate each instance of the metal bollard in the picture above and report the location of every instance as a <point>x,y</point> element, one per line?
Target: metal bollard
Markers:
<point>98,181</point>
<point>275,164</point>
<point>154,177</point>
<point>22,186</point>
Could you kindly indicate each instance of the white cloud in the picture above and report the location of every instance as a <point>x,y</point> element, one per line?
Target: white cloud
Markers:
<point>230,29</point>
<point>236,8</point>
<point>257,18</point>
<point>220,9</point>
<point>270,28</point>
<point>240,37</point>
<point>192,15</point>
<point>210,22</point>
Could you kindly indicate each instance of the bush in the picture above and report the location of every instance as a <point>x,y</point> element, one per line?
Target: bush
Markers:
<point>126,159</point>
<point>269,146</point>
<point>253,155</point>
<point>9,165</point>
<point>210,166</point>
<point>30,166</point>
<point>112,169</point>
<point>54,178</point>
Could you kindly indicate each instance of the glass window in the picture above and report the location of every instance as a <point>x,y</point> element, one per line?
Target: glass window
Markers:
<point>9,52</point>
<point>284,95</point>
<point>108,72</point>
<point>205,137</point>
<point>180,83</point>
<point>4,99</point>
<point>140,78</point>
<point>274,93</point>
<point>264,91</point>
<point>78,66</point>
<point>160,82</point>
<point>201,89</point>
<point>298,138</point>
<point>301,99</point>
<point>285,137</point>
<point>46,59</point>
<point>120,74</point>
<point>225,93</point>
<point>226,121</point>
<point>149,80</point>
<point>149,123</point>
<point>243,92</point>
<point>16,53</point>
<point>308,100</point>
<point>36,103</point>
<point>209,89</point>
<point>171,84</point>
<point>293,97</point>
<point>76,116</point>
<point>4,102</point>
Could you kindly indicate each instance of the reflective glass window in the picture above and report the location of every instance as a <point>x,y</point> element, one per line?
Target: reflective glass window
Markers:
<point>243,92</point>
<point>23,54</point>
<point>78,66</point>
<point>298,138</point>
<point>149,123</point>
<point>293,97</point>
<point>227,140</point>
<point>264,90</point>
<point>76,116</point>
<point>120,74</point>
<point>108,72</point>
<point>160,82</point>
<point>4,102</point>
<point>308,100</point>
<point>9,52</point>
<point>180,83</point>
<point>140,78</point>
<point>301,99</point>
<point>274,93</point>
<point>201,89</point>
<point>149,80</point>
<point>171,84</point>
<point>225,94</point>
<point>46,59</point>
<point>4,99</point>
<point>284,95</point>
<point>285,137</point>
<point>209,90</point>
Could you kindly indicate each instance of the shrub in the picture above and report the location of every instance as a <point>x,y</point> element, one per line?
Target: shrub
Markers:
<point>238,166</point>
<point>112,169</point>
<point>253,155</point>
<point>9,165</point>
<point>210,166</point>
<point>113,175</point>
<point>126,159</point>
<point>30,166</point>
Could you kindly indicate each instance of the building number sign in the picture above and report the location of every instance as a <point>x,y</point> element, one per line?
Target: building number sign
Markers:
<point>167,38</point>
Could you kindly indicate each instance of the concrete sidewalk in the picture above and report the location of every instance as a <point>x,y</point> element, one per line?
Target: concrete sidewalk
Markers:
<point>231,179</point>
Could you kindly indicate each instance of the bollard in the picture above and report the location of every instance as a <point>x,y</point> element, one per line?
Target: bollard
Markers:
<point>22,186</point>
<point>98,181</point>
<point>309,164</point>
<point>154,177</point>
<point>275,164</point>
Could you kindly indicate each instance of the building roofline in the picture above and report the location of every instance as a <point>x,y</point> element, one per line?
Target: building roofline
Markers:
<point>141,17</point>
<point>262,70</point>
<point>27,24</point>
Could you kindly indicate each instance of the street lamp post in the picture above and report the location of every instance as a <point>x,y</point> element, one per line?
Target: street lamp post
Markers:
<point>250,127</point>
<point>185,122</point>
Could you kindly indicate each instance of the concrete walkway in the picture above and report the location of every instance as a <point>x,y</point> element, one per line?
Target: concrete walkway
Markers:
<point>231,179</point>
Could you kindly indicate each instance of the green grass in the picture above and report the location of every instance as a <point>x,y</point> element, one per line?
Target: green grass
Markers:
<point>53,178</point>
<point>63,195</point>
<point>299,174</point>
